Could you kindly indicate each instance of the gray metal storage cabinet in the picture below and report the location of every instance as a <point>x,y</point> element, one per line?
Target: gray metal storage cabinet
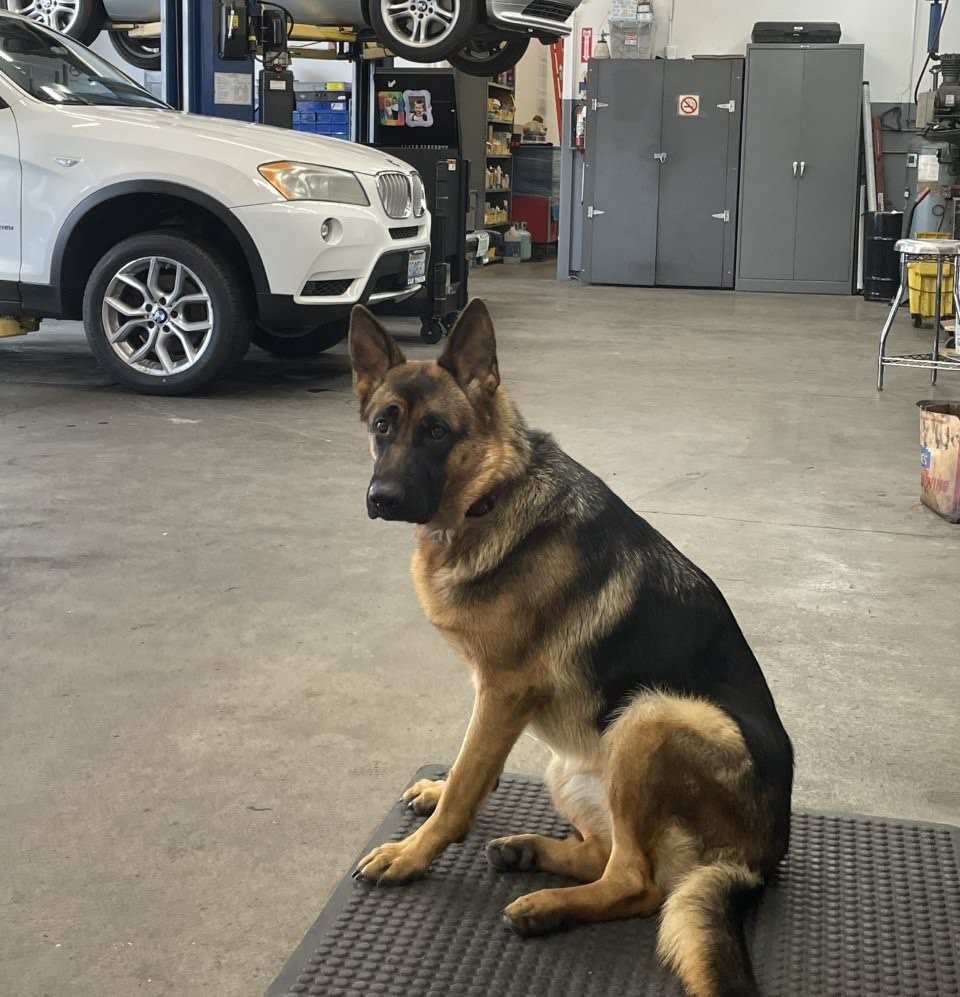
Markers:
<point>661,167</point>
<point>801,145</point>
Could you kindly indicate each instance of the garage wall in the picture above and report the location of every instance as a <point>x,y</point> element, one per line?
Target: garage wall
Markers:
<point>893,32</point>
<point>534,90</point>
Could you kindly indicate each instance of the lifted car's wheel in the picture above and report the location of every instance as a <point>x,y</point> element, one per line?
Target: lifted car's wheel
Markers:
<point>489,57</point>
<point>297,343</point>
<point>423,30</point>
<point>144,53</point>
<point>80,19</point>
<point>165,314</point>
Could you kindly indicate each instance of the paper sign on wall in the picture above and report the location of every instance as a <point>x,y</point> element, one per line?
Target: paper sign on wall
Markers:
<point>688,105</point>
<point>928,168</point>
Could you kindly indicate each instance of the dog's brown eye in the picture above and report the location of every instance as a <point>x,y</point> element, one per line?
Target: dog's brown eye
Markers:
<point>437,431</point>
<point>382,426</point>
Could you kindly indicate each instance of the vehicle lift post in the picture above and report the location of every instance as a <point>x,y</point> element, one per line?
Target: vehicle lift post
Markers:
<point>208,51</point>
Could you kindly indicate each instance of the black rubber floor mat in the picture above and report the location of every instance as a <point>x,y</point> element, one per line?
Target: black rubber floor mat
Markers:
<point>863,907</point>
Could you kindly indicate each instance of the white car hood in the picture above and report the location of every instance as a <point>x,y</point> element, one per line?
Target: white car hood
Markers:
<point>235,142</point>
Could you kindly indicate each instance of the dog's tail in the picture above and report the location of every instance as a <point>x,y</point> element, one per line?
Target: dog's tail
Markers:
<point>701,931</point>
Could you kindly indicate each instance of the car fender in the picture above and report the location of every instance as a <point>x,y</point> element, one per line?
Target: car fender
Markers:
<point>190,194</point>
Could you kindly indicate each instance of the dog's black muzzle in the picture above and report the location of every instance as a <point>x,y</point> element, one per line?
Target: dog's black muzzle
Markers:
<point>395,500</point>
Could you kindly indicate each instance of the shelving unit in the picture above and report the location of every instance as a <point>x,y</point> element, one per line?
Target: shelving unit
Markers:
<point>498,196</point>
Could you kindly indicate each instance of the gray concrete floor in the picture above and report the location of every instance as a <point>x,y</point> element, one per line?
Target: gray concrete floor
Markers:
<point>214,675</point>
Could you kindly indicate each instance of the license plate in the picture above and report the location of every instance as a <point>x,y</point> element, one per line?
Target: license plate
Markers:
<point>417,266</point>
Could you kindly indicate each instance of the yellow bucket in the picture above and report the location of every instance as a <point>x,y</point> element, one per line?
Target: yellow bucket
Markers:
<point>922,283</point>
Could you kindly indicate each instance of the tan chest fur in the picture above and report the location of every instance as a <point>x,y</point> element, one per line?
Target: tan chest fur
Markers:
<point>502,640</point>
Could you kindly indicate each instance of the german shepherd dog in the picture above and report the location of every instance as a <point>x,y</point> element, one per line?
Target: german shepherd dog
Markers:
<point>579,621</point>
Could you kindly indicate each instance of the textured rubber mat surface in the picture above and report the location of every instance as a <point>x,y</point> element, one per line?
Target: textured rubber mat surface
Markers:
<point>863,907</point>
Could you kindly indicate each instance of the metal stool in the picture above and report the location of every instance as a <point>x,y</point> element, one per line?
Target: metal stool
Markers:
<point>919,249</point>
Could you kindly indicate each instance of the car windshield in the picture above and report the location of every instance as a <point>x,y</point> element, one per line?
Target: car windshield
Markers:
<point>58,70</point>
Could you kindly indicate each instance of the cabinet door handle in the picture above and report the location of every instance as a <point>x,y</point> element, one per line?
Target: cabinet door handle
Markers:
<point>803,166</point>
<point>794,167</point>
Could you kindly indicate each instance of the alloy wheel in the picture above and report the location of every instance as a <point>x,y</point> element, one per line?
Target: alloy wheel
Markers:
<point>157,315</point>
<point>61,15</point>
<point>420,23</point>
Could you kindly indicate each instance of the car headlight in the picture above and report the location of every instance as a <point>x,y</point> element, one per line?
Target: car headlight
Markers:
<point>419,198</point>
<point>306,182</point>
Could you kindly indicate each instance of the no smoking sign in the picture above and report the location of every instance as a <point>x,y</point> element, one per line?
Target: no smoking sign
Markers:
<point>688,105</point>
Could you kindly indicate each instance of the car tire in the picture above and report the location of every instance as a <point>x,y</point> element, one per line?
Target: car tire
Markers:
<point>482,57</point>
<point>398,31</point>
<point>165,313</point>
<point>84,25</point>
<point>292,344</point>
<point>144,53</point>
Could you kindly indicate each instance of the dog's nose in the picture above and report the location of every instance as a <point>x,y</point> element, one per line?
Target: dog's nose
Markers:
<point>385,495</point>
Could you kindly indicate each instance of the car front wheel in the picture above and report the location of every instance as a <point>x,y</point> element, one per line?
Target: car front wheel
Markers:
<point>80,19</point>
<point>424,30</point>
<point>165,314</point>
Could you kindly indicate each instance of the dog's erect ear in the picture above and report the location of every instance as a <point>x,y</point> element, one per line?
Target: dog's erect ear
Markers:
<point>471,353</point>
<point>373,351</point>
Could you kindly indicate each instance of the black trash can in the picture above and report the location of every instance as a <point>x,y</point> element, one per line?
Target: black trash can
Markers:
<point>881,264</point>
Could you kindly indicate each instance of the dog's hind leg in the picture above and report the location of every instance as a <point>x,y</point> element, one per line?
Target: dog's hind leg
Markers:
<point>583,859</point>
<point>625,886</point>
<point>626,889</point>
<point>628,886</point>
<point>578,794</point>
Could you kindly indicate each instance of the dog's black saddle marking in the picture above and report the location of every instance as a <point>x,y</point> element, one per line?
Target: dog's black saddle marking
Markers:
<point>862,907</point>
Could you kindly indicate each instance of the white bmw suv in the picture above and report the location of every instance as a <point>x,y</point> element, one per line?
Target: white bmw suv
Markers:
<point>178,238</point>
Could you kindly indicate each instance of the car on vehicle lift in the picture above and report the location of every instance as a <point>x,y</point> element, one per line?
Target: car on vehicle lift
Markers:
<point>479,37</point>
<point>175,237</point>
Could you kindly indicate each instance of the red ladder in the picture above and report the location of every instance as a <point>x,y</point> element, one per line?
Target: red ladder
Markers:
<point>556,62</point>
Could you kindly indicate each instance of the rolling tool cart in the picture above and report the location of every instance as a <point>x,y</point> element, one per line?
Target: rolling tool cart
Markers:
<point>444,293</point>
<point>416,120</point>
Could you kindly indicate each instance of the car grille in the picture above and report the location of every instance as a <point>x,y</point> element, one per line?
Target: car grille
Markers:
<point>549,10</point>
<point>326,288</point>
<point>394,191</point>
<point>405,233</point>
<point>418,196</point>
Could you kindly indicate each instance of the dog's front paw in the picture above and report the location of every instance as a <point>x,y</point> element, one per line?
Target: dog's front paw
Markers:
<point>423,796</point>
<point>391,864</point>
